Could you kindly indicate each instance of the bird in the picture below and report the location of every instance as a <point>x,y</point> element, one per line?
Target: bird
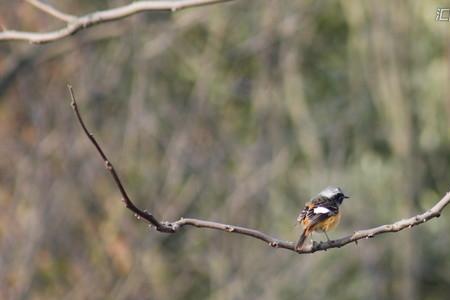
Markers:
<point>321,213</point>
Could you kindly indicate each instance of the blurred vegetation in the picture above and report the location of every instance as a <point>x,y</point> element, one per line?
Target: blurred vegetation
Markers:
<point>236,113</point>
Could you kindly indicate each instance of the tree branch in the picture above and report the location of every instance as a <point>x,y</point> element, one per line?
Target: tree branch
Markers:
<point>47,8</point>
<point>75,24</point>
<point>173,227</point>
<point>125,198</point>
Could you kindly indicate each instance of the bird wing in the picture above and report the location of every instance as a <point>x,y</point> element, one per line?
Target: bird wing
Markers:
<point>304,212</point>
<point>318,210</point>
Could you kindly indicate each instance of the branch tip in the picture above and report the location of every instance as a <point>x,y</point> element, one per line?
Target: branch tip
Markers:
<point>125,198</point>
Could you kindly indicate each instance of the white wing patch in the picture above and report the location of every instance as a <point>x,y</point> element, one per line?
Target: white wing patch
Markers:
<point>321,210</point>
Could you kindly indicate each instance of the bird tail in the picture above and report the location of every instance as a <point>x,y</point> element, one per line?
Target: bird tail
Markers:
<point>302,239</point>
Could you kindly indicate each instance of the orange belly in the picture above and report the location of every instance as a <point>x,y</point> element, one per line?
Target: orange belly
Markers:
<point>328,224</point>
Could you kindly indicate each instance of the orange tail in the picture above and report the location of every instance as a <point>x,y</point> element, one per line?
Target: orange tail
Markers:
<point>302,239</point>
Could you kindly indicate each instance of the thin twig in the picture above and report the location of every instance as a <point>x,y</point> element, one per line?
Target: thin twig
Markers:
<point>173,227</point>
<point>125,198</point>
<point>47,8</point>
<point>76,24</point>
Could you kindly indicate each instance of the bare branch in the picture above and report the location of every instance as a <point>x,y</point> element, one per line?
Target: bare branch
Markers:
<point>75,24</point>
<point>52,11</point>
<point>173,227</point>
<point>434,212</point>
<point>125,198</point>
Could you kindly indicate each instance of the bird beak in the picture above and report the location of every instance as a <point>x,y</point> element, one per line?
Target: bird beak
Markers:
<point>346,197</point>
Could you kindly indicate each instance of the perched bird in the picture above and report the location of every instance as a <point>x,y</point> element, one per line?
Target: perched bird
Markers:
<point>321,213</point>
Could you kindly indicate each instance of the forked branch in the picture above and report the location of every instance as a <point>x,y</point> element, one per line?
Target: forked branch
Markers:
<point>173,227</point>
<point>75,24</point>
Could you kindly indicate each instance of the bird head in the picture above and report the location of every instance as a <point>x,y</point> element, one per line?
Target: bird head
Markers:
<point>335,193</point>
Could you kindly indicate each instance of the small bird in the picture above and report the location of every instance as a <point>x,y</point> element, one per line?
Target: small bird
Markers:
<point>321,213</point>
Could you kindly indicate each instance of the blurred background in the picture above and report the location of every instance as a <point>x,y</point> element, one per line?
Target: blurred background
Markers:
<point>237,113</point>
